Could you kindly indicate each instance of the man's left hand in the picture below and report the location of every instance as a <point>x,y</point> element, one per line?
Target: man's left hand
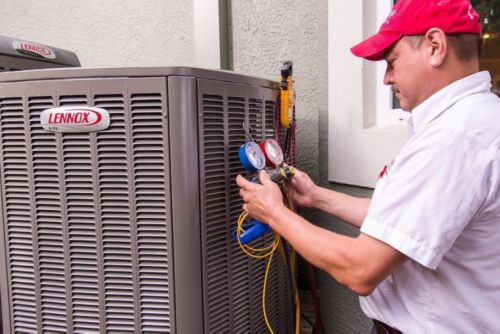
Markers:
<point>260,199</point>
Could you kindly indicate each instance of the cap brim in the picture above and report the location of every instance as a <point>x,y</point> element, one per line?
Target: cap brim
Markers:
<point>373,48</point>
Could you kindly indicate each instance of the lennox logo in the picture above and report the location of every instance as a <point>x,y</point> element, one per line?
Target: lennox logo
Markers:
<point>34,50</point>
<point>74,119</point>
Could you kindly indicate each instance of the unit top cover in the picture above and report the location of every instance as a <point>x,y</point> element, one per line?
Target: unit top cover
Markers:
<point>131,72</point>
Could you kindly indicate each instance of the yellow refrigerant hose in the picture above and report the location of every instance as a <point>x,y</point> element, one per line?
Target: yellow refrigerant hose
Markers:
<point>268,252</point>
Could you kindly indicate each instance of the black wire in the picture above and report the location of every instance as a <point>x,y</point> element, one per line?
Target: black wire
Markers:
<point>286,143</point>
<point>307,319</point>
<point>318,326</point>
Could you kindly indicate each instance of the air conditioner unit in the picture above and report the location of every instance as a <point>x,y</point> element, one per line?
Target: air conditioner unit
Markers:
<point>19,54</point>
<point>128,229</point>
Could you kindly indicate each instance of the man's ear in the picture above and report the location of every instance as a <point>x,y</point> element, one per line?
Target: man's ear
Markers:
<point>437,44</point>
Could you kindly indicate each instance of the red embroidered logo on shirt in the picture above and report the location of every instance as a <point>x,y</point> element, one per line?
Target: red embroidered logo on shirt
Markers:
<point>385,170</point>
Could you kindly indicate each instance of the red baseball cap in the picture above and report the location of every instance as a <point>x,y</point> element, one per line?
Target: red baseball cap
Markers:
<point>416,17</point>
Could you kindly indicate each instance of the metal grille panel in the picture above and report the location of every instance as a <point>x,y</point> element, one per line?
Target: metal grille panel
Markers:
<point>149,152</point>
<point>116,220</point>
<point>240,263</point>
<point>270,119</point>
<point>87,214</point>
<point>49,221</point>
<point>233,282</point>
<point>17,209</point>
<point>215,209</point>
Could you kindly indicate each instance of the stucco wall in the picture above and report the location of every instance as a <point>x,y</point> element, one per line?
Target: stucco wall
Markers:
<point>266,33</point>
<point>107,33</point>
<point>339,306</point>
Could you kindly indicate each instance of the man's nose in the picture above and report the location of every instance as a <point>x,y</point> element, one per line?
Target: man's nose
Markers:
<point>388,78</point>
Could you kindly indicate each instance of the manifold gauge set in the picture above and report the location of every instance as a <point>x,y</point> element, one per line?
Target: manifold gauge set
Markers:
<point>254,157</point>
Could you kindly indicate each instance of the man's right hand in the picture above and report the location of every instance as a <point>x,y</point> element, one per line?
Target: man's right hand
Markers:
<point>305,193</point>
<point>302,189</point>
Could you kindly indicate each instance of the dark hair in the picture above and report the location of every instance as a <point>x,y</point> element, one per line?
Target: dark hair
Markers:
<point>466,46</point>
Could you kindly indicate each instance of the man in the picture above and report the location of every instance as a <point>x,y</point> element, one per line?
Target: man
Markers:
<point>427,259</point>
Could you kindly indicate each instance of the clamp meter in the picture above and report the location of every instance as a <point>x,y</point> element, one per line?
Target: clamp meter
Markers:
<point>287,95</point>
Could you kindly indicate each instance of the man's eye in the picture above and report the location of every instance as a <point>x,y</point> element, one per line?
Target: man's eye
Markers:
<point>390,63</point>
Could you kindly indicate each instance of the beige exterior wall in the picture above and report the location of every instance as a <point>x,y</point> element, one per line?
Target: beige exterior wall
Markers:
<point>107,33</point>
<point>162,33</point>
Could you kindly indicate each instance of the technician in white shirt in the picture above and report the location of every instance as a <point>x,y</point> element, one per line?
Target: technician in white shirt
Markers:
<point>427,259</point>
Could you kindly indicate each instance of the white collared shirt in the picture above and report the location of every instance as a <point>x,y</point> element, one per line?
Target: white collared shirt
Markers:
<point>439,204</point>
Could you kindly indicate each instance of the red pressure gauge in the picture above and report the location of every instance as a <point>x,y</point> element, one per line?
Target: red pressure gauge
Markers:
<point>272,152</point>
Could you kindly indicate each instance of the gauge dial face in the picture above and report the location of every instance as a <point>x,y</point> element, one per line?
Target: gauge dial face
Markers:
<point>252,157</point>
<point>273,151</point>
<point>255,156</point>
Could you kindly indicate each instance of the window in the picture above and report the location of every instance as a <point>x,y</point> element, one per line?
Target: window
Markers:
<point>388,110</point>
<point>489,11</point>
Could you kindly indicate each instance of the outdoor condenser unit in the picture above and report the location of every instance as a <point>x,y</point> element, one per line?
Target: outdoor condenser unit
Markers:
<point>18,54</point>
<point>128,229</point>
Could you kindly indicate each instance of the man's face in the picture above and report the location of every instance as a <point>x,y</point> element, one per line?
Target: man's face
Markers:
<point>406,73</point>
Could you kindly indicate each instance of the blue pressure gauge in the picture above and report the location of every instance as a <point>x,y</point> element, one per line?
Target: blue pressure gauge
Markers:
<point>252,157</point>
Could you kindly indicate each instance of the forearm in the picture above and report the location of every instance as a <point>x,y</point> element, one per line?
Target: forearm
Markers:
<point>359,263</point>
<point>333,253</point>
<point>351,209</point>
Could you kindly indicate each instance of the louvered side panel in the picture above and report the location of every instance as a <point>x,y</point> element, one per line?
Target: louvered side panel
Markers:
<point>224,108</point>
<point>257,268</point>
<point>215,234</point>
<point>18,217</point>
<point>49,220</point>
<point>255,115</point>
<point>149,151</point>
<point>270,119</point>
<point>116,222</point>
<point>272,293</point>
<point>236,115</point>
<point>285,296</point>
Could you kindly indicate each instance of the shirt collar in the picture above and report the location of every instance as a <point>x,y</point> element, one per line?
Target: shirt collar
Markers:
<point>440,101</point>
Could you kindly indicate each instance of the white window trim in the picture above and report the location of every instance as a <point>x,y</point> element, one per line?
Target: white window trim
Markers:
<point>206,34</point>
<point>385,114</point>
<point>362,139</point>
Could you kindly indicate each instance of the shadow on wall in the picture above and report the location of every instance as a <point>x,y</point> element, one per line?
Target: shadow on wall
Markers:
<point>340,308</point>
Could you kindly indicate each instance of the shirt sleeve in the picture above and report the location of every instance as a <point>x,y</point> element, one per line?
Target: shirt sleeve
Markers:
<point>433,190</point>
